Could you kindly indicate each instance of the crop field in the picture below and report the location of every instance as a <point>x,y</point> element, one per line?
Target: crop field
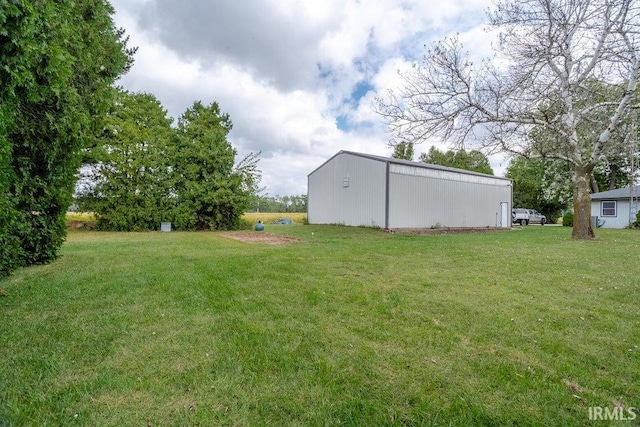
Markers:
<point>269,217</point>
<point>80,216</point>
<point>303,325</point>
<point>75,218</point>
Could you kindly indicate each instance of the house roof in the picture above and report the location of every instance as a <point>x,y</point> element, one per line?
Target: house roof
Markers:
<point>408,163</point>
<point>620,193</point>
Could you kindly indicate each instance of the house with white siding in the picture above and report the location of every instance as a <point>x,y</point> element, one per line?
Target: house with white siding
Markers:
<point>615,208</point>
<point>359,189</point>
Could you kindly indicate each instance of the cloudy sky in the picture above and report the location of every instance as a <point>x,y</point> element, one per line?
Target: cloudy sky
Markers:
<point>297,77</point>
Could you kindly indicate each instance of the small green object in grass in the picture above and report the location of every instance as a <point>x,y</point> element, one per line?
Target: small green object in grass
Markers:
<point>259,226</point>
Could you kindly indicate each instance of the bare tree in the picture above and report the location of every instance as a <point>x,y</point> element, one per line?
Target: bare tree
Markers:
<point>548,55</point>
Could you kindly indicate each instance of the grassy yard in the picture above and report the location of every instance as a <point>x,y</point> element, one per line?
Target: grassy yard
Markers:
<point>348,326</point>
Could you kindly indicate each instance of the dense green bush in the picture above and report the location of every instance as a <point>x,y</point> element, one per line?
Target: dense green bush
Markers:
<point>10,248</point>
<point>58,61</point>
<point>636,223</point>
<point>567,219</point>
<point>246,224</point>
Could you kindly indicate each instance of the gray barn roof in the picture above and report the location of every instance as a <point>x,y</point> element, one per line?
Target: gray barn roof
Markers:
<point>620,193</point>
<point>408,163</point>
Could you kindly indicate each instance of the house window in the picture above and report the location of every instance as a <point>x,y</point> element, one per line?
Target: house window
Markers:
<point>608,208</point>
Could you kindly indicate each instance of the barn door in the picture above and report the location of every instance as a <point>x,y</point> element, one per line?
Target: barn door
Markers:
<point>505,217</point>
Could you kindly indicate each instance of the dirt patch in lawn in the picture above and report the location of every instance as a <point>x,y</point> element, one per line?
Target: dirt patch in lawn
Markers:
<point>260,237</point>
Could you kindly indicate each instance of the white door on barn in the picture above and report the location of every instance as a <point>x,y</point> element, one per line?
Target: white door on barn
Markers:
<point>505,217</point>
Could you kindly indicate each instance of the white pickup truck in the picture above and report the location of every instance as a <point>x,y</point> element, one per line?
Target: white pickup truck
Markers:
<point>527,216</point>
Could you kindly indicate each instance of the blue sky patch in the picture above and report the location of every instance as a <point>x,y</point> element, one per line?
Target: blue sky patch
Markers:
<point>359,91</point>
<point>342,122</point>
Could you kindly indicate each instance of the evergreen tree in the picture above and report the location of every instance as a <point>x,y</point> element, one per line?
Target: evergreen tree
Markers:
<point>58,61</point>
<point>211,193</point>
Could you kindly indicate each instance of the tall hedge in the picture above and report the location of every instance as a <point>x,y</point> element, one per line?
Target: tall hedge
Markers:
<point>58,61</point>
<point>10,249</point>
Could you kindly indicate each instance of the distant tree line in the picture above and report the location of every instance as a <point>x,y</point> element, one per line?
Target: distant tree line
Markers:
<point>277,203</point>
<point>473,160</point>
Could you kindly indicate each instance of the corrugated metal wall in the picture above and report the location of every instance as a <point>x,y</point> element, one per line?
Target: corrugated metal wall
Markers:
<point>422,197</point>
<point>348,190</point>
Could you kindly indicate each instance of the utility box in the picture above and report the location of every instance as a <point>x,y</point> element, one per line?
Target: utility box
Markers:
<point>165,226</point>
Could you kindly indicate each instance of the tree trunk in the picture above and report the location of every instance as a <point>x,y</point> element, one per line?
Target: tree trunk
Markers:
<point>582,228</point>
<point>613,178</point>
<point>594,184</point>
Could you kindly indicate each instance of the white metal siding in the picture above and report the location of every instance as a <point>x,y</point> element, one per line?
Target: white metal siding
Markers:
<point>362,202</point>
<point>421,197</point>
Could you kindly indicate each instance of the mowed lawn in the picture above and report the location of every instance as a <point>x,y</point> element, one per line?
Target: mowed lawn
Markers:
<point>347,326</point>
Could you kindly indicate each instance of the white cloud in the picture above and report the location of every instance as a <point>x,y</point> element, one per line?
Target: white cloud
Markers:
<point>285,70</point>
